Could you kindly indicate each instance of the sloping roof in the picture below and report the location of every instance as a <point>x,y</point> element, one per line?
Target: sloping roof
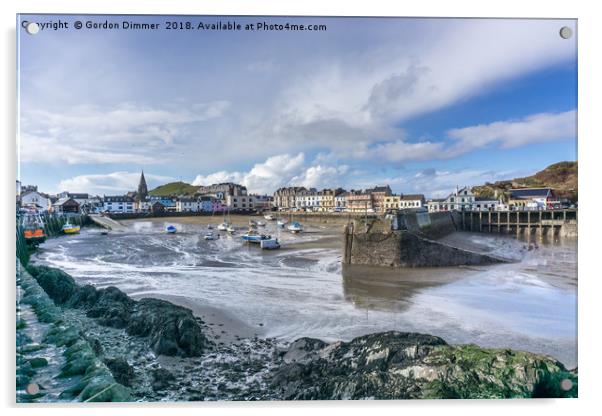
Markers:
<point>62,201</point>
<point>530,193</point>
<point>412,197</point>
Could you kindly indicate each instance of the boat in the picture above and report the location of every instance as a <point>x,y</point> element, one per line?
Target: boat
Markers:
<point>261,223</point>
<point>269,217</point>
<point>252,223</point>
<point>223,226</point>
<point>69,228</point>
<point>104,232</point>
<point>281,223</point>
<point>171,229</point>
<point>211,236</point>
<point>269,244</point>
<point>33,229</point>
<point>295,227</point>
<point>210,227</point>
<point>231,229</point>
<point>253,236</point>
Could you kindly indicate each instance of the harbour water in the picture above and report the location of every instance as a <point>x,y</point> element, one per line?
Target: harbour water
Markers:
<point>302,290</point>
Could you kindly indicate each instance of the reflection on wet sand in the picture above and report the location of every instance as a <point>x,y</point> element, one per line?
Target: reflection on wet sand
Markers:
<point>391,289</point>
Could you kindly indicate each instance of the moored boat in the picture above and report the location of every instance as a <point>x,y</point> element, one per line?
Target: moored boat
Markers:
<point>281,223</point>
<point>211,236</point>
<point>69,228</point>
<point>269,217</point>
<point>253,236</point>
<point>223,226</point>
<point>231,229</point>
<point>269,244</point>
<point>33,229</point>
<point>295,227</point>
<point>171,229</point>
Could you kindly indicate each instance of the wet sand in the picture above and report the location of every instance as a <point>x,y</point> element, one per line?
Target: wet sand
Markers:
<point>222,325</point>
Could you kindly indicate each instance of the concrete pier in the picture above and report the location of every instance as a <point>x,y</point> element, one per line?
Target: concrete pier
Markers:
<point>561,223</point>
<point>106,222</point>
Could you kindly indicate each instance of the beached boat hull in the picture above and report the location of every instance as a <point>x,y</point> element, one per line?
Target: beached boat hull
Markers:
<point>71,230</point>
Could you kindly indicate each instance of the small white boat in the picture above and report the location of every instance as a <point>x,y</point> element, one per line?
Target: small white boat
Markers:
<point>269,217</point>
<point>281,223</point>
<point>231,229</point>
<point>171,229</point>
<point>269,244</point>
<point>261,223</point>
<point>295,227</point>
<point>223,226</point>
<point>210,236</point>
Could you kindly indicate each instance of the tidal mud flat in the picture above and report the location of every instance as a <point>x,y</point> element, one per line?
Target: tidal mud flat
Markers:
<point>249,351</point>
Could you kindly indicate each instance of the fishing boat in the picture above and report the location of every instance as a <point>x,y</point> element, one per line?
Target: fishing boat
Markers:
<point>269,244</point>
<point>33,229</point>
<point>171,229</point>
<point>252,236</point>
<point>269,217</point>
<point>295,227</point>
<point>211,236</point>
<point>69,228</point>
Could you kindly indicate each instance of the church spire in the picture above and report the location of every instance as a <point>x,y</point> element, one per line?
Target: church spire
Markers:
<point>142,188</point>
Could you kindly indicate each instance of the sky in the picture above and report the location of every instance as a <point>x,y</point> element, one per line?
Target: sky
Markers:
<point>423,105</point>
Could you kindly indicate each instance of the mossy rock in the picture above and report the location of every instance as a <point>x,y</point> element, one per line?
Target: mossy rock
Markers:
<point>38,362</point>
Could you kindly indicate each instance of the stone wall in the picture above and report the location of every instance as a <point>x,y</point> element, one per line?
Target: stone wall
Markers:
<point>409,240</point>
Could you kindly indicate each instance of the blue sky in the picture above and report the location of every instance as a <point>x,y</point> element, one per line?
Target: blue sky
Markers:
<point>421,104</point>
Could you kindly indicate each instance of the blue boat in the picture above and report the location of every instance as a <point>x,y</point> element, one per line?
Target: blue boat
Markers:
<point>253,236</point>
<point>171,229</point>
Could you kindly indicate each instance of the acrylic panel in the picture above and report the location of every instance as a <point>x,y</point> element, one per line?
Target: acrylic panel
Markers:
<point>218,208</point>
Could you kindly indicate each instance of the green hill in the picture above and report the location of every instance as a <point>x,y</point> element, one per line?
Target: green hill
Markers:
<point>562,177</point>
<point>174,188</point>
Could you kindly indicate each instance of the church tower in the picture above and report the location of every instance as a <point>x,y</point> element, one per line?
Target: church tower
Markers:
<point>142,189</point>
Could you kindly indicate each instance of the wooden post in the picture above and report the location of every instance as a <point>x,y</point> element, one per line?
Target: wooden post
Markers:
<point>480,221</point>
<point>489,220</point>
<point>564,215</point>
<point>529,223</point>
<point>508,222</point>
<point>517,223</point>
<point>498,222</point>
<point>463,222</point>
<point>540,224</point>
<point>471,220</point>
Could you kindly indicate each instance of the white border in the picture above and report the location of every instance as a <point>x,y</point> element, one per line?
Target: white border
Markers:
<point>589,27</point>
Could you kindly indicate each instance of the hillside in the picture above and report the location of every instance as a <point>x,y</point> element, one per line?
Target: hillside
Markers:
<point>562,177</point>
<point>174,188</point>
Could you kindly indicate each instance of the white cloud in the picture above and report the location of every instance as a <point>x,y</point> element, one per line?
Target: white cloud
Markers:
<point>278,171</point>
<point>110,183</point>
<point>513,133</point>
<point>126,133</point>
<point>400,151</point>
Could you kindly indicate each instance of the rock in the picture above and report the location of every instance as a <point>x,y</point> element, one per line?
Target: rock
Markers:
<point>56,283</point>
<point>38,362</point>
<point>79,358</point>
<point>172,329</point>
<point>303,350</point>
<point>395,365</point>
<point>162,379</point>
<point>26,349</point>
<point>122,371</point>
<point>112,307</point>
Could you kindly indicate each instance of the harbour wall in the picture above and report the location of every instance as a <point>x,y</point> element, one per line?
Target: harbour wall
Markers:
<point>408,240</point>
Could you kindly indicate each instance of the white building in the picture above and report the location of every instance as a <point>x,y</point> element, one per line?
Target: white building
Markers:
<point>188,205</point>
<point>462,199</point>
<point>411,201</point>
<point>34,199</point>
<point>240,202</point>
<point>118,204</point>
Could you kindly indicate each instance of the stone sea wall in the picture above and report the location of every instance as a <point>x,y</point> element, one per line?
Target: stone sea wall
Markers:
<point>408,240</point>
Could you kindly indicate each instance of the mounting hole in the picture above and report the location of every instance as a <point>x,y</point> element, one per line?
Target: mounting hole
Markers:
<point>566,32</point>
<point>566,384</point>
<point>32,28</point>
<point>32,388</point>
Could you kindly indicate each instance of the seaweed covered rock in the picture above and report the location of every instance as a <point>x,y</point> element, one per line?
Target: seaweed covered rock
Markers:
<point>56,283</point>
<point>172,329</point>
<point>395,365</point>
<point>122,371</point>
<point>112,307</point>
